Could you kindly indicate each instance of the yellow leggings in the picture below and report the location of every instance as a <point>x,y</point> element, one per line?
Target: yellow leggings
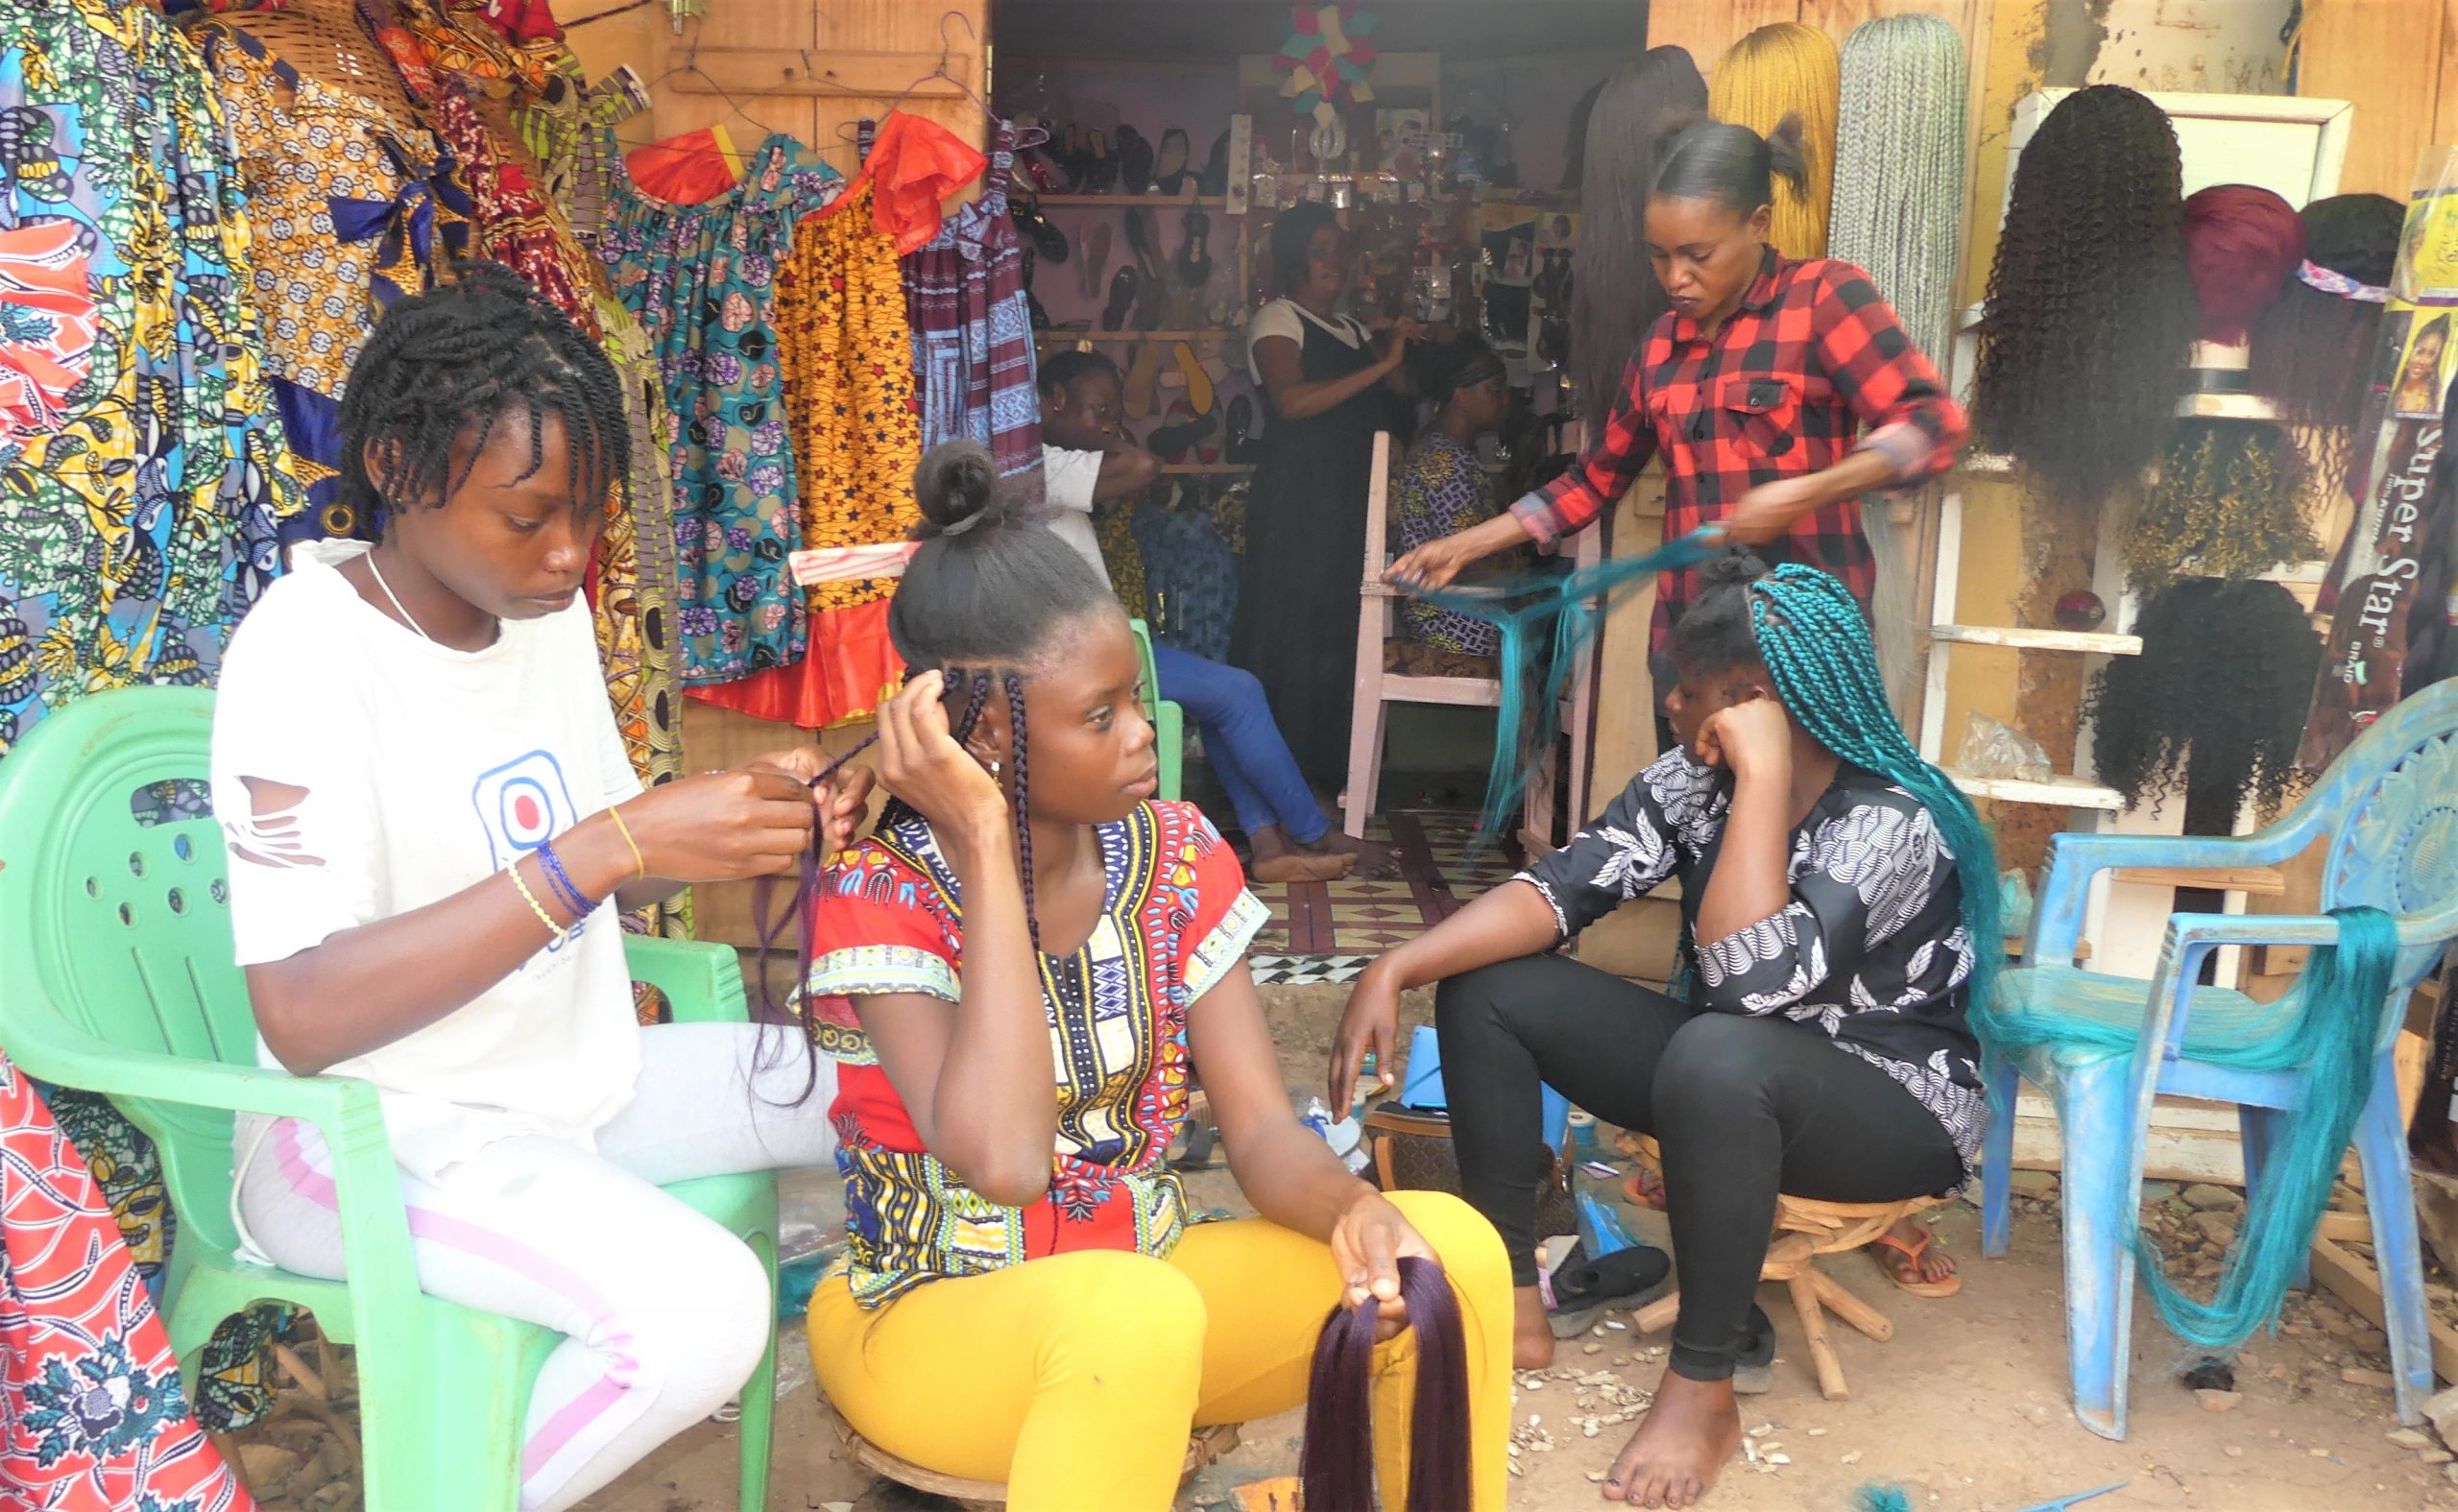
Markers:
<point>1075,1379</point>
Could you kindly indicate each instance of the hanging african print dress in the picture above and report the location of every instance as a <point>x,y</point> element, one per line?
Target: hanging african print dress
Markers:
<point>700,280</point>
<point>973,338</point>
<point>92,1416</point>
<point>846,350</point>
<point>142,477</point>
<point>350,211</point>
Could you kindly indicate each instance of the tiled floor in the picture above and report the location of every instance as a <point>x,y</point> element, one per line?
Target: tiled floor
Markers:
<point>1327,931</point>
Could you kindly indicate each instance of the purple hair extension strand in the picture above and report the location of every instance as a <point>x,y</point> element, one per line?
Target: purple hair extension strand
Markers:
<point>1337,1465</point>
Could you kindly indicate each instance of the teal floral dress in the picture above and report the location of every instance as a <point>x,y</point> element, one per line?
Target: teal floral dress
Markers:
<point>144,478</point>
<point>702,281</point>
<point>143,467</point>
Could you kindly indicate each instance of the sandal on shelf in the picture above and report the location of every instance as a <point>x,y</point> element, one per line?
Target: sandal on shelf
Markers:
<point>1096,261</point>
<point>1912,1254</point>
<point>1169,169</point>
<point>1141,372</point>
<point>1580,1288</point>
<point>1190,371</point>
<point>1184,428</point>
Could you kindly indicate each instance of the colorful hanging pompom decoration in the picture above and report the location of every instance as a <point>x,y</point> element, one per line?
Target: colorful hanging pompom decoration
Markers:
<point>1326,59</point>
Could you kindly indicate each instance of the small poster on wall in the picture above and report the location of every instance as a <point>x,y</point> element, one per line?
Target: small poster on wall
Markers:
<point>2373,587</point>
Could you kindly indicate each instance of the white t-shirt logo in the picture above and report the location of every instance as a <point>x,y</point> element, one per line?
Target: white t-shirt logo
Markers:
<point>523,804</point>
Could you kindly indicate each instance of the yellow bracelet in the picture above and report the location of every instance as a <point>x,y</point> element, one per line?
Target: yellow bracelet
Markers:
<point>637,860</point>
<point>531,899</point>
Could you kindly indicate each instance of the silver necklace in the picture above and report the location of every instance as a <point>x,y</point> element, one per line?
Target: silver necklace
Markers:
<point>398,607</point>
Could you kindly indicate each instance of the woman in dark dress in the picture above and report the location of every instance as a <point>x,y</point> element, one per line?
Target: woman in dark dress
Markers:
<point>1329,384</point>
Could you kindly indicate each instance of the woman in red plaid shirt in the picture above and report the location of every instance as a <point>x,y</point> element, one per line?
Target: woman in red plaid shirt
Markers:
<point>1778,392</point>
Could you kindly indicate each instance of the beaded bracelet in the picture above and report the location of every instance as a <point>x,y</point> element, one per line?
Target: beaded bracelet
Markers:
<point>570,896</point>
<point>558,931</point>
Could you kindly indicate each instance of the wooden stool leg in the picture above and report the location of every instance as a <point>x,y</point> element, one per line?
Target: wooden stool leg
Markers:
<point>1657,1315</point>
<point>1851,1309</point>
<point>1822,1350</point>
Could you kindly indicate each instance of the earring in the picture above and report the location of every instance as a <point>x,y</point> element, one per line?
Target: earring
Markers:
<point>994,769</point>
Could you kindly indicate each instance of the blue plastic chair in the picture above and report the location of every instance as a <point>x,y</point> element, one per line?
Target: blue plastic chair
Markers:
<point>2388,811</point>
<point>117,976</point>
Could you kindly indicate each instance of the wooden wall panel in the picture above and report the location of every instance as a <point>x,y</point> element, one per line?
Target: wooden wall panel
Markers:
<point>2392,59</point>
<point>1707,27</point>
<point>814,67</point>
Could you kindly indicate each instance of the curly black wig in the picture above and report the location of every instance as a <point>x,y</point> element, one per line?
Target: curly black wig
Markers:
<point>2311,348</point>
<point>2215,703</point>
<point>2090,314</point>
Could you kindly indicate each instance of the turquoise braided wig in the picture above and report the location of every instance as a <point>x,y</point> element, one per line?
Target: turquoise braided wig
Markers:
<point>1817,646</point>
<point>1565,598</point>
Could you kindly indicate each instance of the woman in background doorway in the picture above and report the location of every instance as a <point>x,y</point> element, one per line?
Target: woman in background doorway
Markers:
<point>1329,384</point>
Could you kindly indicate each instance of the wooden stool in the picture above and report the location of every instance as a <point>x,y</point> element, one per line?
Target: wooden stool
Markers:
<point>1205,1447</point>
<point>1805,1229</point>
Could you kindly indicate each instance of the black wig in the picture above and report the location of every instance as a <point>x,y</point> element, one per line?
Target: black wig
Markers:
<point>2215,703</point>
<point>2312,350</point>
<point>1614,293</point>
<point>2091,313</point>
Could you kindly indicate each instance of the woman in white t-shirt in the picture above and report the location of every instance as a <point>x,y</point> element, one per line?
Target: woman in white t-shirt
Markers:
<point>432,826</point>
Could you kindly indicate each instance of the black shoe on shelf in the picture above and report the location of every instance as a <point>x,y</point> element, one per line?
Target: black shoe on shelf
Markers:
<point>1139,241</point>
<point>1123,285</point>
<point>1237,443</point>
<point>1193,267</point>
<point>1215,177</point>
<point>1134,161</point>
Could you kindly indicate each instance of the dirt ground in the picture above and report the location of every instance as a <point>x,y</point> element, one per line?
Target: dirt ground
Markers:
<point>1965,1407</point>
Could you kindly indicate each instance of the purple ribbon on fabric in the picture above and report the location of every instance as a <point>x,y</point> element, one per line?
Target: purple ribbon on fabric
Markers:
<point>2329,280</point>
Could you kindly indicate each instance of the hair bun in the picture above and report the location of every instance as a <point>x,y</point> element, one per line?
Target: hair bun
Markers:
<point>1788,151</point>
<point>957,485</point>
<point>1733,566</point>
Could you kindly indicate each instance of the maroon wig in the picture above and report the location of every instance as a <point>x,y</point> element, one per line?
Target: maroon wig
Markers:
<point>2242,245</point>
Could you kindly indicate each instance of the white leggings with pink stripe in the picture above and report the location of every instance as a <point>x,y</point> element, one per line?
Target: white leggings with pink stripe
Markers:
<point>665,1313</point>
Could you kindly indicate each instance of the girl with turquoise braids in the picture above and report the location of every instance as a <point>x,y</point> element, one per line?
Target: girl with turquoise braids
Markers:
<point>1833,884</point>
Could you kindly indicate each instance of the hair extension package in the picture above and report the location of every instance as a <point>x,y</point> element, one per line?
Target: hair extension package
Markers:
<point>2401,487</point>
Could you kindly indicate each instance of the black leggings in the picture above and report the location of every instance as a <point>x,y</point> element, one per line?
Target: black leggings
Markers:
<point>1741,1107</point>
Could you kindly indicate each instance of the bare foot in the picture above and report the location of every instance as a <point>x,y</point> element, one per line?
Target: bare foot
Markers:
<point>1277,860</point>
<point>1372,858</point>
<point>1678,1452</point>
<point>1532,1342</point>
<point>1912,1257</point>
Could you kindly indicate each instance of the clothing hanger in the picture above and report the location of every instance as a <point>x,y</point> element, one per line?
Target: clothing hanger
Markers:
<point>690,64</point>
<point>1028,136</point>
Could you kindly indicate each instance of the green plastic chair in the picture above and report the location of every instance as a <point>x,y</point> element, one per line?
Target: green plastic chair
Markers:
<point>1168,720</point>
<point>117,976</point>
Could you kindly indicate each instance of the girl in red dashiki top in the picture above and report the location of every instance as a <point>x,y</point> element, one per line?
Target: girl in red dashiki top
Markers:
<point>1018,975</point>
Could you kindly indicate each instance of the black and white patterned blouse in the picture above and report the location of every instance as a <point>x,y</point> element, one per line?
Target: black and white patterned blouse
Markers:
<point>1871,949</point>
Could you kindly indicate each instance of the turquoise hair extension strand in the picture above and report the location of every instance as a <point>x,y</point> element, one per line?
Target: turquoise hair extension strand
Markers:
<point>1818,648</point>
<point>2325,1029</point>
<point>1565,599</point>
